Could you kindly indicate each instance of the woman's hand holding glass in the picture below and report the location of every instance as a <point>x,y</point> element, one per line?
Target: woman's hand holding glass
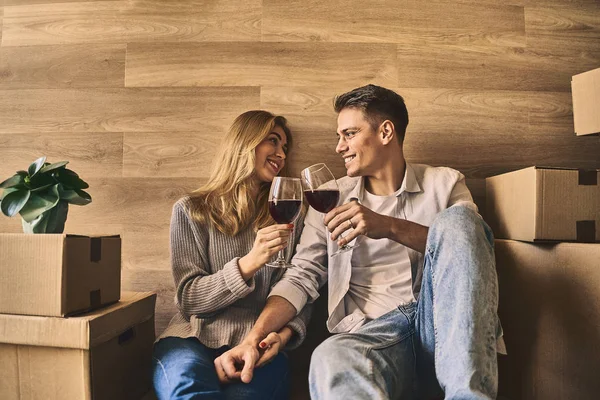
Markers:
<point>269,241</point>
<point>285,203</point>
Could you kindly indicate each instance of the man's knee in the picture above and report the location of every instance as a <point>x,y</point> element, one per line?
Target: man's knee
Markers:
<point>459,223</point>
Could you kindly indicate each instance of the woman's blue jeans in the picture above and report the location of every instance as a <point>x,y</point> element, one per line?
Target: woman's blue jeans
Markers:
<point>183,369</point>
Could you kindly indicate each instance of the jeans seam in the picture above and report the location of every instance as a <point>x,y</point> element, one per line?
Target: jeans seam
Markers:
<point>433,309</point>
<point>410,332</point>
<point>163,370</point>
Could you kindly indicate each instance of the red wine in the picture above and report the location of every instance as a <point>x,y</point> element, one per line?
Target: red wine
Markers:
<point>322,200</point>
<point>284,211</point>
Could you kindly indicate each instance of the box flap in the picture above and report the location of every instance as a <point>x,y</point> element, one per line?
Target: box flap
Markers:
<point>83,331</point>
<point>585,88</point>
<point>31,272</point>
<point>92,236</point>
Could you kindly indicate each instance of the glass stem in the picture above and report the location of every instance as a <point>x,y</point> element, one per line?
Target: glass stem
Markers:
<point>281,256</point>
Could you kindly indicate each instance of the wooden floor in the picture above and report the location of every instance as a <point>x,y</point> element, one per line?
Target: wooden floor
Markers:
<point>137,94</point>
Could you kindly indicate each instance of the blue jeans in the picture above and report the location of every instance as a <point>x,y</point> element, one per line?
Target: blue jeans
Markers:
<point>444,345</point>
<point>183,369</point>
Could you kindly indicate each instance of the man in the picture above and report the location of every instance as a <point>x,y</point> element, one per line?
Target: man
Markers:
<point>415,300</point>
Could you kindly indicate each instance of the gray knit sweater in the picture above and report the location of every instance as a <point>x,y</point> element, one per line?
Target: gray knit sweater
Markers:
<point>215,304</point>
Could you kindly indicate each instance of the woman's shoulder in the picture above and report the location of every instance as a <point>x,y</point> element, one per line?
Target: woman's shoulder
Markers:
<point>184,202</point>
<point>187,207</point>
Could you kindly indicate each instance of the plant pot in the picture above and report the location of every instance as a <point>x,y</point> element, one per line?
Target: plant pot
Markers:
<point>51,221</point>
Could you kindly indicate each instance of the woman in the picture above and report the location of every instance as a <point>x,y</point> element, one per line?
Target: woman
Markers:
<point>221,237</point>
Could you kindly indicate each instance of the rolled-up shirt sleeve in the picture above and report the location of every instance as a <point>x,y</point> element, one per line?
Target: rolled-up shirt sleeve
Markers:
<point>301,283</point>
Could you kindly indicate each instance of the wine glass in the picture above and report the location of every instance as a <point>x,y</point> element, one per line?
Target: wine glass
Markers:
<point>322,192</point>
<point>285,202</point>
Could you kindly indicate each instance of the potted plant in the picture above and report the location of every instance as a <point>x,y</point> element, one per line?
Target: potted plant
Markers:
<point>42,195</point>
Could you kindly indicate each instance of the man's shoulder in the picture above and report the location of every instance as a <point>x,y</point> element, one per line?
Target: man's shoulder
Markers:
<point>425,173</point>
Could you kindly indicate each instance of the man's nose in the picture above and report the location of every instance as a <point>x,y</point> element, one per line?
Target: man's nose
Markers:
<point>341,146</point>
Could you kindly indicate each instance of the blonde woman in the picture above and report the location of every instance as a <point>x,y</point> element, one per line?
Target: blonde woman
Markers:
<point>221,237</point>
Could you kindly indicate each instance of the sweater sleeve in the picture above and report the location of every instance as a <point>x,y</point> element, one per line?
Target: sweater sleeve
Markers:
<point>202,289</point>
<point>299,325</point>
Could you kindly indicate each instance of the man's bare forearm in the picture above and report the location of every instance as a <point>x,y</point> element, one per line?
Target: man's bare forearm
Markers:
<point>276,314</point>
<point>409,233</point>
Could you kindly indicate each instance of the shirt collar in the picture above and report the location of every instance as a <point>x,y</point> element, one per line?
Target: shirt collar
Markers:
<point>409,184</point>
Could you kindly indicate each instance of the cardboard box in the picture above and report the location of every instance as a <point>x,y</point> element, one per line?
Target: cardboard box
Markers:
<point>102,355</point>
<point>550,313</point>
<point>58,274</point>
<point>543,203</point>
<point>585,88</point>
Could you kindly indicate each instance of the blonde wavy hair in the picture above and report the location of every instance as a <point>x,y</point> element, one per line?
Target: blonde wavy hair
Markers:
<point>227,200</point>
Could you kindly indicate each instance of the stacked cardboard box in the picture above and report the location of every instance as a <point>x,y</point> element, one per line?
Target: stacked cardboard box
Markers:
<point>64,334</point>
<point>586,102</point>
<point>549,283</point>
<point>547,225</point>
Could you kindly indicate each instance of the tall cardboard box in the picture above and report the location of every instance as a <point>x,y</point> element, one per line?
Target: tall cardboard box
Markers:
<point>543,203</point>
<point>550,313</point>
<point>58,274</point>
<point>102,355</point>
<point>585,88</point>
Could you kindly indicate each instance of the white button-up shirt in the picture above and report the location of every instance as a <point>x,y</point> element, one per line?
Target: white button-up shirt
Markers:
<point>428,191</point>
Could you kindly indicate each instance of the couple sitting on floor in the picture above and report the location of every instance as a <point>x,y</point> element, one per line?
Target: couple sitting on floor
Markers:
<point>413,305</point>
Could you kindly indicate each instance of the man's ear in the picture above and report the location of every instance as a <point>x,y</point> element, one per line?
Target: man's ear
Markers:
<point>387,132</point>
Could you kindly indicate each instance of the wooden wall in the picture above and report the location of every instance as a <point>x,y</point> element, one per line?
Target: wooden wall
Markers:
<point>137,94</point>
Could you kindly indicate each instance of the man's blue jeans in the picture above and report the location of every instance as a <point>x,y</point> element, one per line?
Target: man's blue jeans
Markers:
<point>442,345</point>
<point>183,369</point>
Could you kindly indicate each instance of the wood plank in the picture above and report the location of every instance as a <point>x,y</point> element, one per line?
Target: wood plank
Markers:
<point>160,154</point>
<point>313,123</point>
<point>130,202</point>
<point>101,65</point>
<point>382,21</point>
<point>127,21</point>
<point>481,67</point>
<point>89,154</point>
<point>488,133</point>
<point>565,30</point>
<point>123,110</point>
<point>160,282</point>
<point>479,132</point>
<point>255,64</point>
<point>29,2</point>
<point>146,248</point>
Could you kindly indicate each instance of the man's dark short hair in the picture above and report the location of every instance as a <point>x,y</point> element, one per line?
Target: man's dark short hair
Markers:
<point>378,104</point>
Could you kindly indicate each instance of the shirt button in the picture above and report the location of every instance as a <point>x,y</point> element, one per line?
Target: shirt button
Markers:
<point>351,318</point>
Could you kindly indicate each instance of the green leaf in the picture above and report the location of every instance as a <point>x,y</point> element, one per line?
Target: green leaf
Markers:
<point>13,202</point>
<point>38,203</point>
<point>41,181</point>
<point>57,218</point>
<point>36,166</point>
<point>54,166</point>
<point>38,225</point>
<point>7,191</point>
<point>84,195</point>
<point>13,181</point>
<point>70,179</point>
<point>77,197</point>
